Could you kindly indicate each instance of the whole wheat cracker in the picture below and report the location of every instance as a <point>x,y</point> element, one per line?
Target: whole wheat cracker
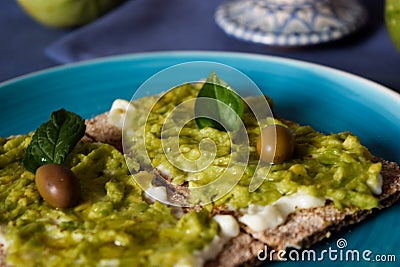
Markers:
<point>302,229</point>
<point>305,227</point>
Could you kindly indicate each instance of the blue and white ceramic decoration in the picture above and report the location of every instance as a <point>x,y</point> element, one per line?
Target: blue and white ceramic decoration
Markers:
<point>290,22</point>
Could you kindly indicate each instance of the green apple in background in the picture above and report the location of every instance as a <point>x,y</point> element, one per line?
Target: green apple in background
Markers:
<point>67,13</point>
<point>392,16</point>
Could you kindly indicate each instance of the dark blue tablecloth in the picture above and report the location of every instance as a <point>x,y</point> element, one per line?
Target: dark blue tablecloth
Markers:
<point>158,25</point>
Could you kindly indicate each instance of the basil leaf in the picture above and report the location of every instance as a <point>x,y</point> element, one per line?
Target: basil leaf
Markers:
<point>214,79</point>
<point>54,140</point>
<point>223,114</point>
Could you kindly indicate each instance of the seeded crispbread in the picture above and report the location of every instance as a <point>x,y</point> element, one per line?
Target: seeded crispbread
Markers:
<point>306,227</point>
<point>302,229</point>
<point>100,130</point>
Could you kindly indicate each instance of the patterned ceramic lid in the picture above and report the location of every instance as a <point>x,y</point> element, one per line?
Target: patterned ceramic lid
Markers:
<point>290,22</point>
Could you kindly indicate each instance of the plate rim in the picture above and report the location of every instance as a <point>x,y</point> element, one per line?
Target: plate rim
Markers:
<point>308,66</point>
<point>197,53</point>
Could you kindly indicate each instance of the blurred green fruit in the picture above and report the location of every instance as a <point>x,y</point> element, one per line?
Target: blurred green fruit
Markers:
<point>392,17</point>
<point>67,13</point>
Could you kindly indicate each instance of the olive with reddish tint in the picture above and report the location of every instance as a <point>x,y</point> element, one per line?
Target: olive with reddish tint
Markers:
<point>57,185</point>
<point>275,144</point>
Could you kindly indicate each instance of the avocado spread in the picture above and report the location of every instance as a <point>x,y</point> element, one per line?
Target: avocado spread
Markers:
<point>335,167</point>
<point>112,225</point>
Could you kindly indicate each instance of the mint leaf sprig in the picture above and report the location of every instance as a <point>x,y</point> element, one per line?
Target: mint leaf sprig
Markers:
<point>54,140</point>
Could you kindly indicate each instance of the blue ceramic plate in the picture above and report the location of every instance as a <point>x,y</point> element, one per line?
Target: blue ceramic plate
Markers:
<point>327,99</point>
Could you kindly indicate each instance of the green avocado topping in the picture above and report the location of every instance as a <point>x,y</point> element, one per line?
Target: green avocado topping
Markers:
<point>335,167</point>
<point>112,226</point>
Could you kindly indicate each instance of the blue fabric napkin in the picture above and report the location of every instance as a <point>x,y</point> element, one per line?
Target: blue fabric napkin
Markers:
<point>160,25</point>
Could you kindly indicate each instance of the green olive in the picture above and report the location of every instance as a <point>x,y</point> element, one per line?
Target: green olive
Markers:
<point>275,144</point>
<point>57,185</point>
